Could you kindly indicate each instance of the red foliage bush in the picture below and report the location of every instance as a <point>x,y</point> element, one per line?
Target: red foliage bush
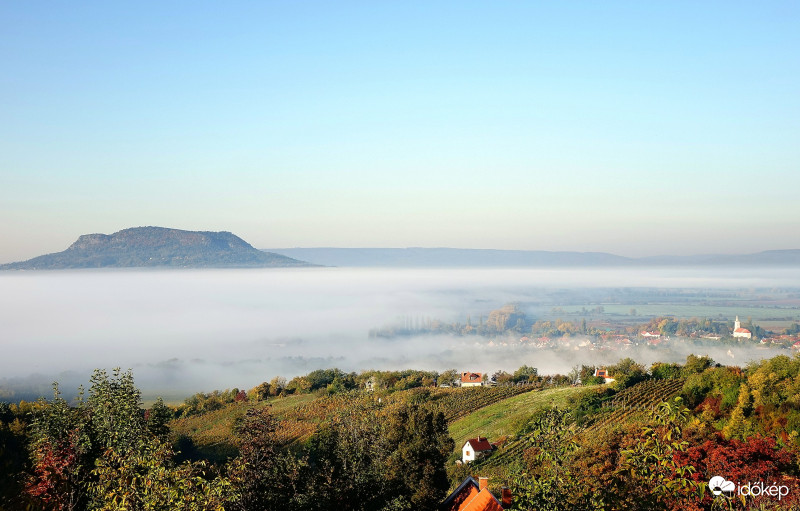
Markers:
<point>755,460</point>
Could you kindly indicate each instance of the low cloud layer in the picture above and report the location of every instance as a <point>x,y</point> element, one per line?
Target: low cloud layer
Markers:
<point>189,331</point>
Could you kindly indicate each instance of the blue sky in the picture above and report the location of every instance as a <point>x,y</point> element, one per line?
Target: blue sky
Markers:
<point>636,128</point>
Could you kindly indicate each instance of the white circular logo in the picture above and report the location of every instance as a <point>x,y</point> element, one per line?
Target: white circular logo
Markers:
<point>718,485</point>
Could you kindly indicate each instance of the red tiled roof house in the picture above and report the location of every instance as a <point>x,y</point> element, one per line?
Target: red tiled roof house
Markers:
<point>472,495</point>
<point>475,448</point>
<point>471,379</point>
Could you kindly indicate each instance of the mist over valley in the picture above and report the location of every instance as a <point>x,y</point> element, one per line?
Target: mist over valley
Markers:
<point>197,330</point>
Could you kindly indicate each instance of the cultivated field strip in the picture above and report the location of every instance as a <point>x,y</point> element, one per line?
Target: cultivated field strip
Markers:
<point>640,398</point>
<point>299,423</point>
<point>633,400</point>
<point>458,403</point>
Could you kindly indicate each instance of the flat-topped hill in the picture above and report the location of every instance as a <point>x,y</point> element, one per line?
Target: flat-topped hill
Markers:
<point>157,246</point>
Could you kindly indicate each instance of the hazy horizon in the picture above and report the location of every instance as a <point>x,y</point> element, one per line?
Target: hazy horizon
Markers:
<point>655,254</point>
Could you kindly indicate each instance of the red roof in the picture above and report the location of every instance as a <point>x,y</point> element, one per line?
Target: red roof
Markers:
<point>483,501</point>
<point>460,499</point>
<point>469,497</point>
<point>471,377</point>
<point>479,444</point>
<point>742,331</point>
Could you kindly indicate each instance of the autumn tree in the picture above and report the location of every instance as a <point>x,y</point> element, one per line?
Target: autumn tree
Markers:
<point>448,377</point>
<point>652,460</point>
<point>59,451</point>
<point>104,454</point>
<point>147,478</point>
<point>157,419</point>
<point>370,458</point>
<point>543,480</point>
<point>420,444</point>
<point>525,374</point>
<point>264,476</point>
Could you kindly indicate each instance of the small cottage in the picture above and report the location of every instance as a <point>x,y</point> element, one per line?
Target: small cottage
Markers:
<point>475,448</point>
<point>471,379</point>
<point>603,373</point>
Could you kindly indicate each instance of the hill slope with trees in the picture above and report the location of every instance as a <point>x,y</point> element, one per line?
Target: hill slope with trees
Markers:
<point>650,440</point>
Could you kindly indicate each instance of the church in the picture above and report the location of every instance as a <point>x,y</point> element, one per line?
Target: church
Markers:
<point>738,331</point>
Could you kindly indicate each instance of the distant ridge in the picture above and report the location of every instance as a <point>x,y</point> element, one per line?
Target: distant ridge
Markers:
<point>155,247</point>
<point>459,257</point>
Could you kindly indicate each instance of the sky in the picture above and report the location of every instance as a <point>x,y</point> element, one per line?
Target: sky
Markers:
<point>636,128</point>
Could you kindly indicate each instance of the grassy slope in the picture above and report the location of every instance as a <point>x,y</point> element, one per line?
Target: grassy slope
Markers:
<point>211,432</point>
<point>499,419</point>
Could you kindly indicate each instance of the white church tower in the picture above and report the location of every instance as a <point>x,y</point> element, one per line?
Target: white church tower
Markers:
<point>738,331</point>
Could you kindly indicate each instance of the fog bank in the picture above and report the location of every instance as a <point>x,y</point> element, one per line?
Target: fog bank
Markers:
<point>197,330</point>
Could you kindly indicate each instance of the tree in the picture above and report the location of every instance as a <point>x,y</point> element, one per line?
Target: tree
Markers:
<point>695,364</point>
<point>147,479</point>
<point>114,410</point>
<point>501,376</point>
<point>525,374</point>
<point>347,451</point>
<point>627,372</point>
<point>574,374</point>
<point>58,448</point>
<point>13,455</point>
<point>157,418</point>
<point>652,461</point>
<point>263,391</point>
<point>263,475</point>
<point>277,385</point>
<point>372,457</point>
<point>448,377</point>
<point>104,454</point>
<point>544,481</point>
<point>420,445</point>
<point>663,370</point>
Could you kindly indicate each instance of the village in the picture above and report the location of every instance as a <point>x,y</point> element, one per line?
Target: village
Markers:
<point>510,327</point>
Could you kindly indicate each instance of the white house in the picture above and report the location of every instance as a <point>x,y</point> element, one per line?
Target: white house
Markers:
<point>738,331</point>
<point>471,379</point>
<point>603,373</point>
<point>475,448</point>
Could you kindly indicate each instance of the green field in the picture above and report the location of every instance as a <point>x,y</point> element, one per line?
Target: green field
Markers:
<point>718,312</point>
<point>499,419</point>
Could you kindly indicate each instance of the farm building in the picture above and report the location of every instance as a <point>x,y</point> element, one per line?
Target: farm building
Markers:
<point>475,448</point>
<point>603,373</point>
<point>471,379</point>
